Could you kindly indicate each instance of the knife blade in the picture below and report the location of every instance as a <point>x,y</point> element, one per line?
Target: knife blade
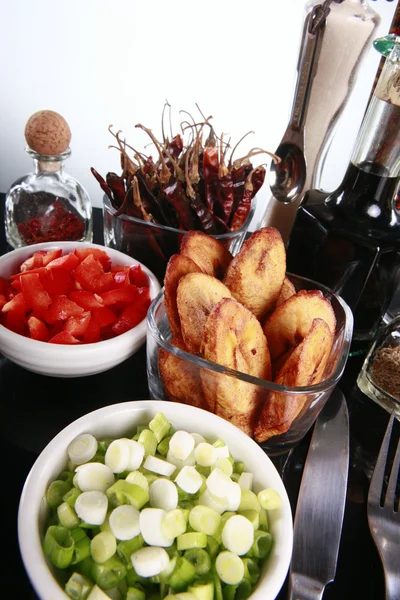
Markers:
<point>321,503</point>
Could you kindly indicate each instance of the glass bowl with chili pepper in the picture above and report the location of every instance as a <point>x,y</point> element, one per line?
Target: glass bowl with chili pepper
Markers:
<point>192,185</point>
<point>287,412</point>
<point>72,309</point>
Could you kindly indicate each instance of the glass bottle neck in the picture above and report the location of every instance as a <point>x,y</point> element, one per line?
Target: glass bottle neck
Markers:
<point>377,148</point>
<point>44,166</point>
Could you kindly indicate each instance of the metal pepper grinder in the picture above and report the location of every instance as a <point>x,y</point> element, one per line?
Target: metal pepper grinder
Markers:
<point>47,204</point>
<point>348,31</point>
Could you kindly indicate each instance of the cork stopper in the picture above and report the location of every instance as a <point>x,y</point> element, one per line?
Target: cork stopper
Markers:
<point>47,132</point>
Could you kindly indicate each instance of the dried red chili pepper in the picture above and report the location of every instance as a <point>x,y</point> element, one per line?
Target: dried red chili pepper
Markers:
<point>210,173</point>
<point>176,196</point>
<point>253,183</point>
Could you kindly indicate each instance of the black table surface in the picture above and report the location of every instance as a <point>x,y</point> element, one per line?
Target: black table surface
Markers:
<point>34,408</point>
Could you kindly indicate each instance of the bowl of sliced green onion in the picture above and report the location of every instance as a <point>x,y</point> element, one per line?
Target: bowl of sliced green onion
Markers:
<point>154,500</point>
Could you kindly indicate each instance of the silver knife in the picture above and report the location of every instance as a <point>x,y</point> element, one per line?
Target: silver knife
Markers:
<point>321,503</point>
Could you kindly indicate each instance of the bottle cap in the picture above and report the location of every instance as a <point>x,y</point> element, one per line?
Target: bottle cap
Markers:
<point>47,132</point>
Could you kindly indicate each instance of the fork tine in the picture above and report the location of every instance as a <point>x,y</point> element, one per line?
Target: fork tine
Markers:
<point>394,475</point>
<point>375,488</point>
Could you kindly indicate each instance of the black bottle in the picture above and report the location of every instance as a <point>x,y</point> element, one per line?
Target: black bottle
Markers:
<point>349,239</point>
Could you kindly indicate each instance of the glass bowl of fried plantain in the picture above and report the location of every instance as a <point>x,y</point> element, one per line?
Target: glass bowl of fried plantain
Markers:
<point>273,390</point>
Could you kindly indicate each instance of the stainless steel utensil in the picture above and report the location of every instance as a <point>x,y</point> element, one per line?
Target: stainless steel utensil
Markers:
<point>321,502</point>
<point>384,515</point>
<point>287,178</point>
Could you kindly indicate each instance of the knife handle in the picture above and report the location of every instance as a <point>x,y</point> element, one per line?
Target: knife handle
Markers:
<point>302,587</point>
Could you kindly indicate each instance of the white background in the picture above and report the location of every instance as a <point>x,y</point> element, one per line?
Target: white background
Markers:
<point>99,62</point>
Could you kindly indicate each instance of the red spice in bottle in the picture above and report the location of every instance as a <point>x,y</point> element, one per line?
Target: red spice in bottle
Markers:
<point>57,224</point>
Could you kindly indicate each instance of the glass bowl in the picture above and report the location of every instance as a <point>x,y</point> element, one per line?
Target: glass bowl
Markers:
<point>379,378</point>
<point>154,244</point>
<point>314,397</point>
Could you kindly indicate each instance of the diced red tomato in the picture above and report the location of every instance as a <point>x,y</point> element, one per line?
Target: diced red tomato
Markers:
<point>34,293</point>
<point>121,278</point>
<point>91,276</point>
<point>104,316</point>
<point>88,300</point>
<point>93,331</point>
<point>16,304</point>
<point>64,338</point>
<point>62,308</point>
<point>37,329</point>
<point>40,259</point>
<point>98,253</point>
<point>127,295</point>
<point>77,326</point>
<point>57,282</point>
<point>75,298</point>
<point>68,262</point>
<point>138,277</point>
<point>130,317</point>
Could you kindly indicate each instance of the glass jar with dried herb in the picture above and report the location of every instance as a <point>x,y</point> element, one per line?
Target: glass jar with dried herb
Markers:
<point>379,378</point>
<point>47,204</point>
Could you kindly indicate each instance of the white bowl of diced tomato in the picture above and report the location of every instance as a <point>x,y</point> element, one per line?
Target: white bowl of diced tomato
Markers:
<point>72,309</point>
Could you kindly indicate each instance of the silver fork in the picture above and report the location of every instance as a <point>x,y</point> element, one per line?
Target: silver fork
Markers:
<point>384,515</point>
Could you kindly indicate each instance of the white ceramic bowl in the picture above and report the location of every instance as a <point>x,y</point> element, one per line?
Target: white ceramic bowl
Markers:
<point>121,420</point>
<point>60,360</point>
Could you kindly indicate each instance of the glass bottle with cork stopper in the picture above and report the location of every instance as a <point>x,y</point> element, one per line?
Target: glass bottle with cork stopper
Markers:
<point>47,204</point>
<point>349,239</point>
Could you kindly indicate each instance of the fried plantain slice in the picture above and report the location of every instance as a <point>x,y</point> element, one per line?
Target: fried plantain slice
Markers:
<point>196,295</point>
<point>287,290</point>
<point>255,275</point>
<point>180,378</point>
<point>290,322</point>
<point>305,366</point>
<point>178,266</point>
<point>233,338</point>
<point>207,252</point>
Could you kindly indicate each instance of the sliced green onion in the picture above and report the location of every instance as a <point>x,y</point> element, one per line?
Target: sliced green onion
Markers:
<point>150,561</point>
<point>253,516</point>
<point>123,492</point>
<point>199,558</point>
<point>124,522</point>
<point>91,507</point>
<point>71,496</point>
<point>212,546</point>
<point>159,466</point>
<point>163,446</point>
<point>126,548</point>
<point>174,522</point>
<point>67,516</point>
<point>249,501</point>
<point>264,523</point>
<point>181,445</point>
<point>67,476</point>
<point>204,519</point>
<point>262,544</point>
<point>81,545</point>
<point>138,478</point>
<point>148,441</point>
<point>224,464</point>
<point>202,590</point>
<point>238,536</point>
<point>108,574</point>
<point>58,546</point>
<point>205,454</point>
<point>103,546</point>
<point>192,539</point>
<point>182,575</point>
<point>135,593</point>
<point>160,426</point>
<point>82,448</point>
<point>251,570</point>
<point>269,499</point>
<point>238,467</point>
<point>56,490</point>
<point>78,587</point>
<point>229,567</point>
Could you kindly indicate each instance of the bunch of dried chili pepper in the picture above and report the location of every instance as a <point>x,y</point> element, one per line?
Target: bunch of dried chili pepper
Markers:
<point>190,185</point>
